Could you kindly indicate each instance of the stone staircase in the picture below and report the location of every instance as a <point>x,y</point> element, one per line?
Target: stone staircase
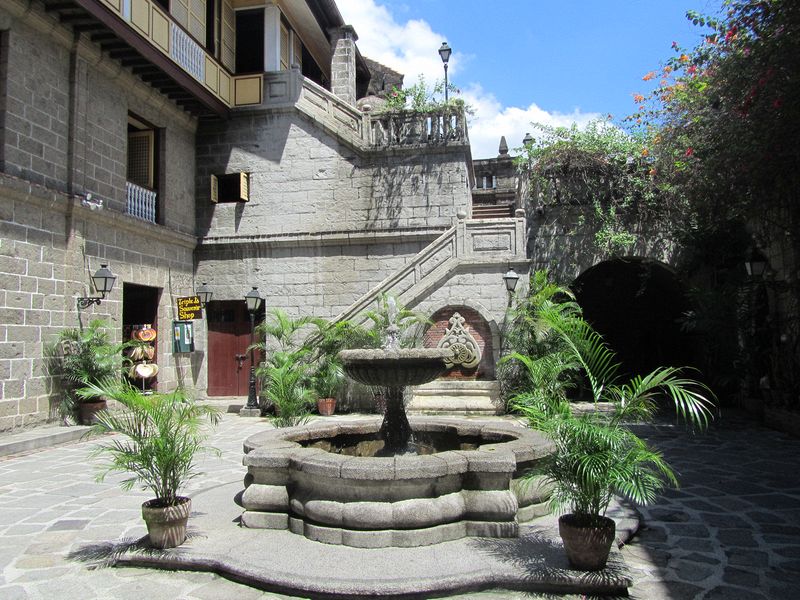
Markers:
<point>470,242</point>
<point>492,211</point>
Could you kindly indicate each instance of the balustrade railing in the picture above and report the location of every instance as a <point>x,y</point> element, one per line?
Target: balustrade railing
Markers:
<point>187,53</point>
<point>141,202</point>
<point>408,128</point>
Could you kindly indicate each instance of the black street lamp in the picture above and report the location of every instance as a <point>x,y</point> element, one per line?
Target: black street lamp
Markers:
<point>444,53</point>
<point>756,263</point>
<point>253,301</point>
<point>103,281</point>
<point>204,293</point>
<point>511,278</point>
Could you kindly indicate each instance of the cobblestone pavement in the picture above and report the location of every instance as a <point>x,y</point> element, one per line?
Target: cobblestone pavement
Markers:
<point>732,531</point>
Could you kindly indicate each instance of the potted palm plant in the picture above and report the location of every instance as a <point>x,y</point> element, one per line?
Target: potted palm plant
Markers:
<point>162,435</point>
<point>82,356</point>
<point>597,455</point>
<point>327,382</point>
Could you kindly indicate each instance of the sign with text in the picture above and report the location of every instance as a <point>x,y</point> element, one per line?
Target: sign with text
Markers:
<point>189,308</point>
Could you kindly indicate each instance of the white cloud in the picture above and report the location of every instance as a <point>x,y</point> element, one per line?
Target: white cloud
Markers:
<point>410,47</point>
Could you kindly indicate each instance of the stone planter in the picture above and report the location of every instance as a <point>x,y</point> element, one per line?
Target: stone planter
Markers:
<point>587,542</point>
<point>88,411</point>
<point>166,525</point>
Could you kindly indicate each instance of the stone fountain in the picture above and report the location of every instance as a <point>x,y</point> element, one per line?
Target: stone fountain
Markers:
<point>372,484</point>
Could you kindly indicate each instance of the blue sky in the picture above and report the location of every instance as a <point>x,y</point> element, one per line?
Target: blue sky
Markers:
<point>518,61</point>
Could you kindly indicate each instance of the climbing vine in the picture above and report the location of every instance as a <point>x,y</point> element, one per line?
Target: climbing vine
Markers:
<point>599,165</point>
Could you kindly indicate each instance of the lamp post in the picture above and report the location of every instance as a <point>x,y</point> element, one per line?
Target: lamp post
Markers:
<point>103,281</point>
<point>253,301</point>
<point>444,53</point>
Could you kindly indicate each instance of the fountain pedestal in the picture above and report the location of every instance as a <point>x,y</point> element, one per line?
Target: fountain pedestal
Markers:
<point>393,369</point>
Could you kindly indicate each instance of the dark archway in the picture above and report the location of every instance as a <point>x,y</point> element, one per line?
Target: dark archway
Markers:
<point>637,305</point>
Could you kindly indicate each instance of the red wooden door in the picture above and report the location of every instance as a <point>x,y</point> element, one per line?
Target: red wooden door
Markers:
<point>228,339</point>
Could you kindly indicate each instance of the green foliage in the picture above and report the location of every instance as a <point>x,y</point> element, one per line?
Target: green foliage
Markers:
<point>163,435</point>
<point>81,356</point>
<point>598,165</point>
<point>410,323</point>
<point>529,336</point>
<point>420,98</point>
<point>289,386</point>
<point>597,455</point>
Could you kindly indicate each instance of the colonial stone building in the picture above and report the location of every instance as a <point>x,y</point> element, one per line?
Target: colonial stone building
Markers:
<point>218,142</point>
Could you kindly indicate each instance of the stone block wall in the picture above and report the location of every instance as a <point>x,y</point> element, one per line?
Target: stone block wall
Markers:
<point>65,134</point>
<point>304,180</point>
<point>49,246</point>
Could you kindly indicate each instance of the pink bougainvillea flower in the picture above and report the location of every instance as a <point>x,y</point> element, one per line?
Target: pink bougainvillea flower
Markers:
<point>777,103</point>
<point>674,45</point>
<point>649,76</point>
<point>731,34</point>
<point>692,70</point>
<point>638,98</point>
<point>689,151</point>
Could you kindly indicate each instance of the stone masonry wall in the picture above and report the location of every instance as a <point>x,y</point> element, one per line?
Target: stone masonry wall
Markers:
<point>49,242</point>
<point>303,180</point>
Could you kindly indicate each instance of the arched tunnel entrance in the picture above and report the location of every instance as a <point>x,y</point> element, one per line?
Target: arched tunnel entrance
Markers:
<point>636,305</point>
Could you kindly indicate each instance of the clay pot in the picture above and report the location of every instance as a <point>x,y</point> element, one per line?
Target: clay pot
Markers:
<point>587,540</point>
<point>166,525</point>
<point>326,406</point>
<point>88,411</point>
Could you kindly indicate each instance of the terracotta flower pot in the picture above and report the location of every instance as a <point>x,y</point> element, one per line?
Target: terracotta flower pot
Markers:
<point>166,525</point>
<point>88,411</point>
<point>587,540</point>
<point>326,406</point>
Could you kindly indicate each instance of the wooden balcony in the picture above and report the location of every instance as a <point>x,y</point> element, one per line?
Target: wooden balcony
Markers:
<point>147,40</point>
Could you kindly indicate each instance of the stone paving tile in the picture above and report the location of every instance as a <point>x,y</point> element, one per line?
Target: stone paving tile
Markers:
<point>731,531</point>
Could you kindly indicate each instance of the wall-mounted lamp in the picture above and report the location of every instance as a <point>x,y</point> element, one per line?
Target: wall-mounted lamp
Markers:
<point>103,281</point>
<point>511,278</point>
<point>204,293</point>
<point>755,263</point>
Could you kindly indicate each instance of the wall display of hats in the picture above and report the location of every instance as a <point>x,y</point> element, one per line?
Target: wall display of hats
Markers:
<point>142,352</point>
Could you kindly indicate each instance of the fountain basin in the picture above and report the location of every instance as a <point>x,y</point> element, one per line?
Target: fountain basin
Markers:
<point>293,483</point>
<point>395,368</point>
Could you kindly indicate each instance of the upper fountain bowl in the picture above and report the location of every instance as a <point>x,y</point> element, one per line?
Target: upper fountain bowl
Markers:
<point>393,368</point>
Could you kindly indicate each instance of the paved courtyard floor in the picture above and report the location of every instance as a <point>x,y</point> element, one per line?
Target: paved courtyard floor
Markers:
<point>732,531</point>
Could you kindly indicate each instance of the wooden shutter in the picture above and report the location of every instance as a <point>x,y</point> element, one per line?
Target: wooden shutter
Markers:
<point>197,20</point>
<point>228,35</point>
<point>214,189</point>
<point>244,187</point>
<point>297,50</point>
<point>284,48</point>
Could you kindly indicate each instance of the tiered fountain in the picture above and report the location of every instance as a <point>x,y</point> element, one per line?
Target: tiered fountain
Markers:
<point>396,483</point>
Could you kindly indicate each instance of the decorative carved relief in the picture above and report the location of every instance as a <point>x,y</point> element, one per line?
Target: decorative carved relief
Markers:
<point>466,351</point>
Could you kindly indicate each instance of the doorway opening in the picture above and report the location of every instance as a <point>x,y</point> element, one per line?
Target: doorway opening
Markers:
<point>228,339</point>
<point>140,313</point>
<point>637,306</point>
